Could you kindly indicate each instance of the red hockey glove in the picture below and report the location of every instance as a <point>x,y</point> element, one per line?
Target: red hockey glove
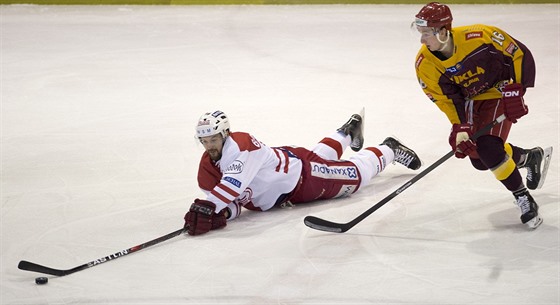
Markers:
<point>201,218</point>
<point>460,141</point>
<point>514,104</point>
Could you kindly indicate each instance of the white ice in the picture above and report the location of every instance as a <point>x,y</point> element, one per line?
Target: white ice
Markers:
<point>98,154</point>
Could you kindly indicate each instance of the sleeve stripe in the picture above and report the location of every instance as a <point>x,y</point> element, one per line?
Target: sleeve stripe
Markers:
<point>219,196</point>
<point>285,159</point>
<point>224,193</point>
<point>279,160</point>
<point>286,165</point>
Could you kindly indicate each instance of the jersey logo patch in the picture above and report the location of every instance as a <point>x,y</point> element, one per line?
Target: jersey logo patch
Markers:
<point>472,35</point>
<point>333,172</point>
<point>511,48</point>
<point>422,83</point>
<point>234,168</point>
<point>455,68</point>
<point>345,191</point>
<point>245,197</point>
<point>419,60</point>
<point>431,97</point>
<point>233,181</point>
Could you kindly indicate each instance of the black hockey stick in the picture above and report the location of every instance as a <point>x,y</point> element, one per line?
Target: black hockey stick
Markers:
<point>29,266</point>
<point>329,226</point>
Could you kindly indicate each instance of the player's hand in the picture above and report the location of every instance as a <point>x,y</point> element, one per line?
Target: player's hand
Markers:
<point>460,141</point>
<point>201,218</point>
<point>514,104</point>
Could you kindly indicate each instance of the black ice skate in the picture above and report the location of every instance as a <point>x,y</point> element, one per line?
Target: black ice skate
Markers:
<point>529,209</point>
<point>536,168</point>
<point>355,128</point>
<point>403,154</point>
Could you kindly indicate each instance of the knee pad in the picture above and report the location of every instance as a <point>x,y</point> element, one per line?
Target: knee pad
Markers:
<point>496,156</point>
<point>477,163</point>
<point>491,150</point>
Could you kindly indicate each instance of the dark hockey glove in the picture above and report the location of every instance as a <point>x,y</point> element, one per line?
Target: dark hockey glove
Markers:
<point>201,218</point>
<point>514,104</point>
<point>460,141</point>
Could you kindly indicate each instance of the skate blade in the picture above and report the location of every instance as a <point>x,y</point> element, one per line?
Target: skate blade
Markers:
<point>535,222</point>
<point>547,155</point>
<point>358,146</point>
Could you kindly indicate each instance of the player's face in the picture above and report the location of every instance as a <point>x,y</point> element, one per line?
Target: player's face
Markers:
<point>428,36</point>
<point>213,145</point>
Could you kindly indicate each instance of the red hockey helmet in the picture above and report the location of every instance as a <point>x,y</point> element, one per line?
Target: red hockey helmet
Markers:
<point>434,14</point>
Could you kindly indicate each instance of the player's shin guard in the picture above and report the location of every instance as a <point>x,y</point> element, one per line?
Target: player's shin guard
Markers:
<point>504,170</point>
<point>371,161</point>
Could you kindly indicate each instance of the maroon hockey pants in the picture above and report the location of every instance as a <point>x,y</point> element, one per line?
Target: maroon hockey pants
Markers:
<point>490,147</point>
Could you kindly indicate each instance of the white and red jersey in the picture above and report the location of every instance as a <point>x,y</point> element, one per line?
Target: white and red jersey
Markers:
<point>249,173</point>
<point>258,177</point>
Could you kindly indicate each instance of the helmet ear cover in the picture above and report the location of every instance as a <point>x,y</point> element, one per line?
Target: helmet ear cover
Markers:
<point>434,14</point>
<point>212,123</point>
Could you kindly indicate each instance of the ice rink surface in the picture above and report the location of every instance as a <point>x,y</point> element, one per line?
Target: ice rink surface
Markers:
<point>98,154</point>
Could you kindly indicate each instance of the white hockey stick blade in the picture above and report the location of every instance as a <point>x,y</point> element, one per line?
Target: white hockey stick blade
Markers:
<point>546,156</point>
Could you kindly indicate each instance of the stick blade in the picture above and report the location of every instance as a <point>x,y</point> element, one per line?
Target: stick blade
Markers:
<point>324,225</point>
<point>29,266</point>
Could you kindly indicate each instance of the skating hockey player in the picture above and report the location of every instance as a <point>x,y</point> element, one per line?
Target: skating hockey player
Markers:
<point>237,170</point>
<point>474,74</point>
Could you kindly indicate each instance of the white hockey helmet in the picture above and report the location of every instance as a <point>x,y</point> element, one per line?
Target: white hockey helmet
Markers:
<point>212,123</point>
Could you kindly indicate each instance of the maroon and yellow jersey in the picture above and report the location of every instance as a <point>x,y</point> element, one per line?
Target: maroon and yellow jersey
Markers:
<point>485,58</point>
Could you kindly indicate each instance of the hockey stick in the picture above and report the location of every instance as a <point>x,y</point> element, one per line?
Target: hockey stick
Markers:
<point>29,266</point>
<point>329,226</point>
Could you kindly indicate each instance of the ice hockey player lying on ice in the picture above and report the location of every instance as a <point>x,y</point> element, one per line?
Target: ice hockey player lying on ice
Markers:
<point>474,74</point>
<point>237,170</point>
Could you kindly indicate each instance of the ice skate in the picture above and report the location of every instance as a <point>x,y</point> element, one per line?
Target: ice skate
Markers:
<point>403,154</point>
<point>536,168</point>
<point>529,209</point>
<point>355,128</point>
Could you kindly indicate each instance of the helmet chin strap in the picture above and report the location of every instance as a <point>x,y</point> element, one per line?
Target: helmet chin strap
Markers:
<point>444,43</point>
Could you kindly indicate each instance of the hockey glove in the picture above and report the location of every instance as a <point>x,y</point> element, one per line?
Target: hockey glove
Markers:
<point>460,141</point>
<point>514,104</point>
<point>201,218</point>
